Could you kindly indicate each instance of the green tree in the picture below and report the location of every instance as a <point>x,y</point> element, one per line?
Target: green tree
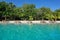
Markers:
<point>46,13</point>
<point>29,10</point>
<point>3,9</point>
<point>57,14</point>
<point>11,10</point>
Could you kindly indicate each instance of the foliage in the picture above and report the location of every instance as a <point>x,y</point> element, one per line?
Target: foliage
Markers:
<point>8,11</point>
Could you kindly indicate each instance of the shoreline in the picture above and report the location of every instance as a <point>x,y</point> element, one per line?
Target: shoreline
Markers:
<point>28,22</point>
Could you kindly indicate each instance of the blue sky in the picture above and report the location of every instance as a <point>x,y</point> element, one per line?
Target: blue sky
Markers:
<point>53,4</point>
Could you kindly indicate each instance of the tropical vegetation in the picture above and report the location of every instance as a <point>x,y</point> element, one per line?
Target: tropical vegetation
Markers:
<point>9,11</point>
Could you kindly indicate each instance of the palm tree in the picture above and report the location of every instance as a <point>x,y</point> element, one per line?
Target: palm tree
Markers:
<point>57,13</point>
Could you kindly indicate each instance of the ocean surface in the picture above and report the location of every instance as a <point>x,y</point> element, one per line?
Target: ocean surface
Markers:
<point>29,31</point>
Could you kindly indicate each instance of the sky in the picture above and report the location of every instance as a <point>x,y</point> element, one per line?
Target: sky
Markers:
<point>53,4</point>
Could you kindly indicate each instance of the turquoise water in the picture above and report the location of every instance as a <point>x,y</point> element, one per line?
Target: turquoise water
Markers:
<point>29,31</point>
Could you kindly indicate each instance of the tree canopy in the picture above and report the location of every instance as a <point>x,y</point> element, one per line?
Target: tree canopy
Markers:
<point>9,11</point>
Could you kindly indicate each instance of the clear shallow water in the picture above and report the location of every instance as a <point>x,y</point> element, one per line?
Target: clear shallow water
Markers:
<point>29,31</point>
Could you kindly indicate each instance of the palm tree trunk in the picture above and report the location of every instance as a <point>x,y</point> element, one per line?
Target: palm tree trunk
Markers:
<point>55,19</point>
<point>42,20</point>
<point>5,18</point>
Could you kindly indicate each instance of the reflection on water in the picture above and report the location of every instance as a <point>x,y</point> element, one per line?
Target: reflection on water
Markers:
<point>29,31</point>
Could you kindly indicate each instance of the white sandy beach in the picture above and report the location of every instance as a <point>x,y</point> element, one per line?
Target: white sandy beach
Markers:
<point>26,22</point>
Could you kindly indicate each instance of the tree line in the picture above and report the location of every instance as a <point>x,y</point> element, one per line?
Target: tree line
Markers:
<point>9,11</point>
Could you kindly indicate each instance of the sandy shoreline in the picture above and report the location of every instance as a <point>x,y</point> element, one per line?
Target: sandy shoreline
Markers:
<point>30,22</point>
